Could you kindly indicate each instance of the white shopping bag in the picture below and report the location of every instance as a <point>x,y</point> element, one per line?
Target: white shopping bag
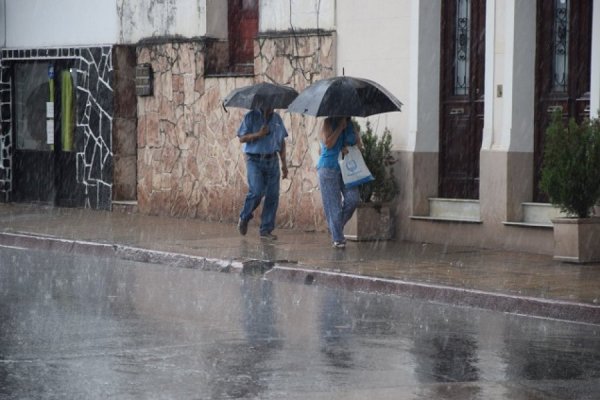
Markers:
<point>354,169</point>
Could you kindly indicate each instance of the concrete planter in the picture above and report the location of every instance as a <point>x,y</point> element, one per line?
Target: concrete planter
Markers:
<point>577,240</point>
<point>371,221</point>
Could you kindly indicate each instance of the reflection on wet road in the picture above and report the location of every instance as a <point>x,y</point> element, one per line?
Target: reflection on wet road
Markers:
<point>90,328</point>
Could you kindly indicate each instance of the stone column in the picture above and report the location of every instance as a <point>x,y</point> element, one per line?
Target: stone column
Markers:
<point>125,124</point>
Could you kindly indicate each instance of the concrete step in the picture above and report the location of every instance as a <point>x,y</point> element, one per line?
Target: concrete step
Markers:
<point>540,213</point>
<point>454,209</point>
<point>127,207</point>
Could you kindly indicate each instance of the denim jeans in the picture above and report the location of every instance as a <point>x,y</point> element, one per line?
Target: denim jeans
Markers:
<point>263,181</point>
<point>339,203</point>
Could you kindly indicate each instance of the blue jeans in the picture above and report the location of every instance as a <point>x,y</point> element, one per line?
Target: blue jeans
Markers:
<point>339,203</point>
<point>263,181</point>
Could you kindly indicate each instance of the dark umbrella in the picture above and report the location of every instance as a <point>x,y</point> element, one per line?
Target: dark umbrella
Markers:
<point>261,96</point>
<point>344,96</point>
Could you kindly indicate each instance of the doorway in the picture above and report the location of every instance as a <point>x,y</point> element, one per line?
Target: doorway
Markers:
<point>461,97</point>
<point>44,134</point>
<point>243,27</point>
<point>563,59</point>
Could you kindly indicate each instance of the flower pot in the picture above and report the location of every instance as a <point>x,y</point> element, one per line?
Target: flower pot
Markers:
<point>371,221</point>
<point>577,240</point>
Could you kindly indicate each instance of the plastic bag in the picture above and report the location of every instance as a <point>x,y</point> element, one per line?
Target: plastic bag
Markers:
<point>354,169</point>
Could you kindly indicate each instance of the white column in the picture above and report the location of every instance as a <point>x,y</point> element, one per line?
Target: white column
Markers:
<point>519,76</point>
<point>424,76</point>
<point>595,67</point>
<point>490,75</point>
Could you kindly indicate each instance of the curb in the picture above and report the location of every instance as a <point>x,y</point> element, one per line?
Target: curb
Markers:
<point>514,304</point>
<point>129,253</point>
<point>501,302</point>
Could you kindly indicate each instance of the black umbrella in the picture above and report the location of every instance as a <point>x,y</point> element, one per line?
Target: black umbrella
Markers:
<point>344,96</point>
<point>261,96</point>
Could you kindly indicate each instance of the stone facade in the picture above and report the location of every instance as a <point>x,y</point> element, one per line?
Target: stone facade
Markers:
<point>190,162</point>
<point>94,118</point>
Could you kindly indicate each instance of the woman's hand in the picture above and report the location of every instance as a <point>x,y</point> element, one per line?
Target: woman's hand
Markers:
<point>329,136</point>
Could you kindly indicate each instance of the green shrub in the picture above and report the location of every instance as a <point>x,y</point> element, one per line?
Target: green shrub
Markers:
<point>377,152</point>
<point>571,165</point>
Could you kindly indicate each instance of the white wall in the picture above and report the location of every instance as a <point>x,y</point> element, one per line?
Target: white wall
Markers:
<point>422,106</point>
<point>45,23</point>
<point>305,14</point>
<point>141,19</point>
<point>2,23</point>
<point>374,43</point>
<point>40,23</point>
<point>509,75</point>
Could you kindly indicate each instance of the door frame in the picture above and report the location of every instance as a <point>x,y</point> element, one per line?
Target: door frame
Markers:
<point>63,187</point>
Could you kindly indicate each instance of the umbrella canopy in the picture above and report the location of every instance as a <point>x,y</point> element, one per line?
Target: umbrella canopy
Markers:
<point>261,96</point>
<point>344,96</point>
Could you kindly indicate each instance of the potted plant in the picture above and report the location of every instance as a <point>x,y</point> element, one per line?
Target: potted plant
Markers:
<point>571,179</point>
<point>373,219</point>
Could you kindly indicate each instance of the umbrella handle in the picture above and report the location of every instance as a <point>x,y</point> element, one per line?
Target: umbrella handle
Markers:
<point>224,108</point>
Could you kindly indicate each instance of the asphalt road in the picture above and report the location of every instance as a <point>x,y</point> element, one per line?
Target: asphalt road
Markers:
<point>77,327</point>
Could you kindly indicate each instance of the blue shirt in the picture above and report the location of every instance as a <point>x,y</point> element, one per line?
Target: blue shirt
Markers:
<point>329,157</point>
<point>269,144</point>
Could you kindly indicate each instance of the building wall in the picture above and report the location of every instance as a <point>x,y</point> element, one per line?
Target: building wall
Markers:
<point>38,23</point>
<point>41,23</point>
<point>373,43</point>
<point>189,160</point>
<point>141,19</point>
<point>286,15</point>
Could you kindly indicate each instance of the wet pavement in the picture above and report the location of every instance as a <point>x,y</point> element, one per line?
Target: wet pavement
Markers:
<point>505,281</point>
<point>83,327</point>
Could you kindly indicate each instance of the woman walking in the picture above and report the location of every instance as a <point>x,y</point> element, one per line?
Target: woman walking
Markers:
<point>339,202</point>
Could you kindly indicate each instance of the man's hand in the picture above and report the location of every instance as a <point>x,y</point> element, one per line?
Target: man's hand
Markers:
<point>251,137</point>
<point>264,131</point>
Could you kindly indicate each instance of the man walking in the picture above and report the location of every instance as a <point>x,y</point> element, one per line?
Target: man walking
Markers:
<point>263,136</point>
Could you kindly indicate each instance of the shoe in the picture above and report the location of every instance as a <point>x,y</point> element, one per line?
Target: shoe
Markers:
<point>268,236</point>
<point>339,245</point>
<point>242,227</point>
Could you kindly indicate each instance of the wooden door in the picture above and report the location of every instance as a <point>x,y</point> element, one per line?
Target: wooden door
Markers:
<point>243,27</point>
<point>563,57</point>
<point>461,97</point>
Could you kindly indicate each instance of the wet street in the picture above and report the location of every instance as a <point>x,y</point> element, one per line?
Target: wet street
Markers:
<point>77,327</point>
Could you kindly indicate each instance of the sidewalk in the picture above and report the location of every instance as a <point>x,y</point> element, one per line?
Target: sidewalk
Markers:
<point>504,281</point>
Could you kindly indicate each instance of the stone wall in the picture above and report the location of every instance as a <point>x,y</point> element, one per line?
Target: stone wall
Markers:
<point>94,125</point>
<point>190,162</point>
